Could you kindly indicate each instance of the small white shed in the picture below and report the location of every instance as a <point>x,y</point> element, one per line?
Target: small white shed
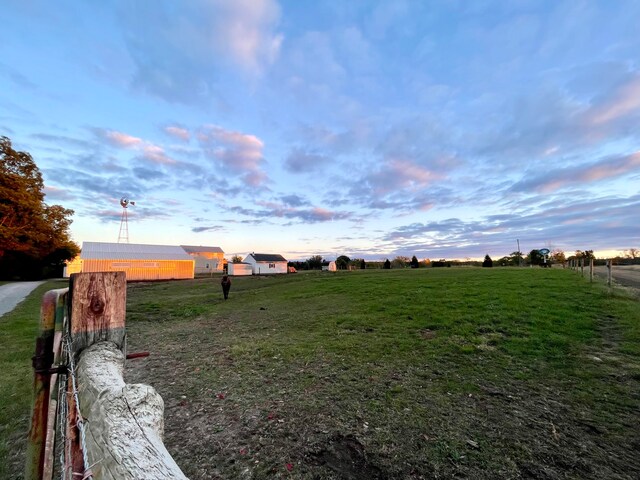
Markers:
<point>266,263</point>
<point>238,269</point>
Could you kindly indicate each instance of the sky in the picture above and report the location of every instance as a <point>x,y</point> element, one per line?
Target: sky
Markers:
<point>372,129</point>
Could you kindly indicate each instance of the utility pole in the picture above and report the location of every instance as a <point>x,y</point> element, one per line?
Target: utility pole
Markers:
<point>519,253</point>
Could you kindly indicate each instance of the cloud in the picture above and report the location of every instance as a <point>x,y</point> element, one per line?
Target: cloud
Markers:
<point>576,224</point>
<point>117,139</point>
<point>244,31</point>
<point>216,228</point>
<point>178,132</point>
<point>293,200</point>
<point>291,210</point>
<point>603,169</point>
<point>300,161</point>
<point>399,174</point>
<point>156,154</point>
<point>149,151</point>
<point>179,52</point>
<point>144,173</point>
<point>619,103</point>
<point>56,194</point>
<point>236,152</point>
<point>17,78</point>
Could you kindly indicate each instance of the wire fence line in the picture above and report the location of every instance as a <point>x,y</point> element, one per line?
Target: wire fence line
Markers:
<point>56,418</point>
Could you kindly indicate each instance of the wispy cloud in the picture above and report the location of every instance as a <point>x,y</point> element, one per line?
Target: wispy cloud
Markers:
<point>214,228</point>
<point>300,161</point>
<point>180,53</point>
<point>236,152</point>
<point>118,139</point>
<point>603,169</point>
<point>178,132</point>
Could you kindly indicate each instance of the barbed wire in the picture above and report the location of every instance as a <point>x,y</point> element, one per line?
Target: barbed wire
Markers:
<point>62,421</point>
<point>87,474</point>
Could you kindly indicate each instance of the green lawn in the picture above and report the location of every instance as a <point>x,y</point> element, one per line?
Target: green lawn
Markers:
<point>427,373</point>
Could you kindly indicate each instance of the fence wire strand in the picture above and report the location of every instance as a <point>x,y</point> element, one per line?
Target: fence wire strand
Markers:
<point>62,421</point>
<point>87,474</point>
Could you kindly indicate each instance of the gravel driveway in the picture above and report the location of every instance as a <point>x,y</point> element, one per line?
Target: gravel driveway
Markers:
<point>12,294</point>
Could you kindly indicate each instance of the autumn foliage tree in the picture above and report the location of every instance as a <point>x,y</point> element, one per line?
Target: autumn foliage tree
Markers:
<point>34,236</point>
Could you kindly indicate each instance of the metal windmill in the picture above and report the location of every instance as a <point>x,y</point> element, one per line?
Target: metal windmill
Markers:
<point>123,235</point>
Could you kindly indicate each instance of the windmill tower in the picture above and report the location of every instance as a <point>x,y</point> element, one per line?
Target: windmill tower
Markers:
<point>123,235</point>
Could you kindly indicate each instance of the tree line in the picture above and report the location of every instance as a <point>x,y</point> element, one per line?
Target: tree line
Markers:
<point>514,259</point>
<point>34,236</point>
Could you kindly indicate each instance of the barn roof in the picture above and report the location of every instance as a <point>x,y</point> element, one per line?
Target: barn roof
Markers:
<point>201,249</point>
<point>120,251</point>
<point>267,257</point>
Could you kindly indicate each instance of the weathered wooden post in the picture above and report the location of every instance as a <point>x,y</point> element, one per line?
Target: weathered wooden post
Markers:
<point>591,270</point>
<point>582,266</point>
<point>609,265</point>
<point>125,422</point>
<point>51,311</point>
<point>97,306</point>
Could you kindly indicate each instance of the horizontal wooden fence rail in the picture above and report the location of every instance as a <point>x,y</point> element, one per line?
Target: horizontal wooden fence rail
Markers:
<point>87,423</point>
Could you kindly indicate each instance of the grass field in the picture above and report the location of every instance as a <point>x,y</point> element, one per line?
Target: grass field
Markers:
<point>428,373</point>
<point>18,331</point>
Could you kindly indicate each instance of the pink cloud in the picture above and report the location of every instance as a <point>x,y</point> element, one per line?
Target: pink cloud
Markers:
<point>122,140</point>
<point>156,154</point>
<point>244,32</point>
<point>611,168</point>
<point>239,152</point>
<point>178,132</point>
<point>624,101</point>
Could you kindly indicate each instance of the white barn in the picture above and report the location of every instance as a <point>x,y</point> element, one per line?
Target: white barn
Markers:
<point>266,263</point>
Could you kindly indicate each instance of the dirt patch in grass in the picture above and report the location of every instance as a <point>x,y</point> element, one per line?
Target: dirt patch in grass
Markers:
<point>324,377</point>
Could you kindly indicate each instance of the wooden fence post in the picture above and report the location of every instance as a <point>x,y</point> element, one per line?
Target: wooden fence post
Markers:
<point>609,265</point>
<point>582,266</point>
<point>591,270</point>
<point>51,312</point>
<point>97,304</point>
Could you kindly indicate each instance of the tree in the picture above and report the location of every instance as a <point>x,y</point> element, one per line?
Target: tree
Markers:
<point>315,262</point>
<point>236,259</point>
<point>516,258</point>
<point>487,261</point>
<point>386,265</point>
<point>632,253</point>
<point>342,262</point>
<point>586,254</point>
<point>34,236</point>
<point>558,256</point>
<point>363,264</point>
<point>414,262</point>
<point>535,257</point>
<point>400,262</point>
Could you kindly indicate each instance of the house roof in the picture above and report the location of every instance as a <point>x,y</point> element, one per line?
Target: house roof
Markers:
<point>267,257</point>
<point>120,251</point>
<point>201,249</point>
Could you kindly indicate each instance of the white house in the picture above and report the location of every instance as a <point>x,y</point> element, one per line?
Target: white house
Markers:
<point>266,263</point>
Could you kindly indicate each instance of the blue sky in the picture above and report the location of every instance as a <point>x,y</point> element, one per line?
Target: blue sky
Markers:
<point>441,129</point>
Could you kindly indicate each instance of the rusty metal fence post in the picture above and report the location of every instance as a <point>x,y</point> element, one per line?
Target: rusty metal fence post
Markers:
<point>52,313</point>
